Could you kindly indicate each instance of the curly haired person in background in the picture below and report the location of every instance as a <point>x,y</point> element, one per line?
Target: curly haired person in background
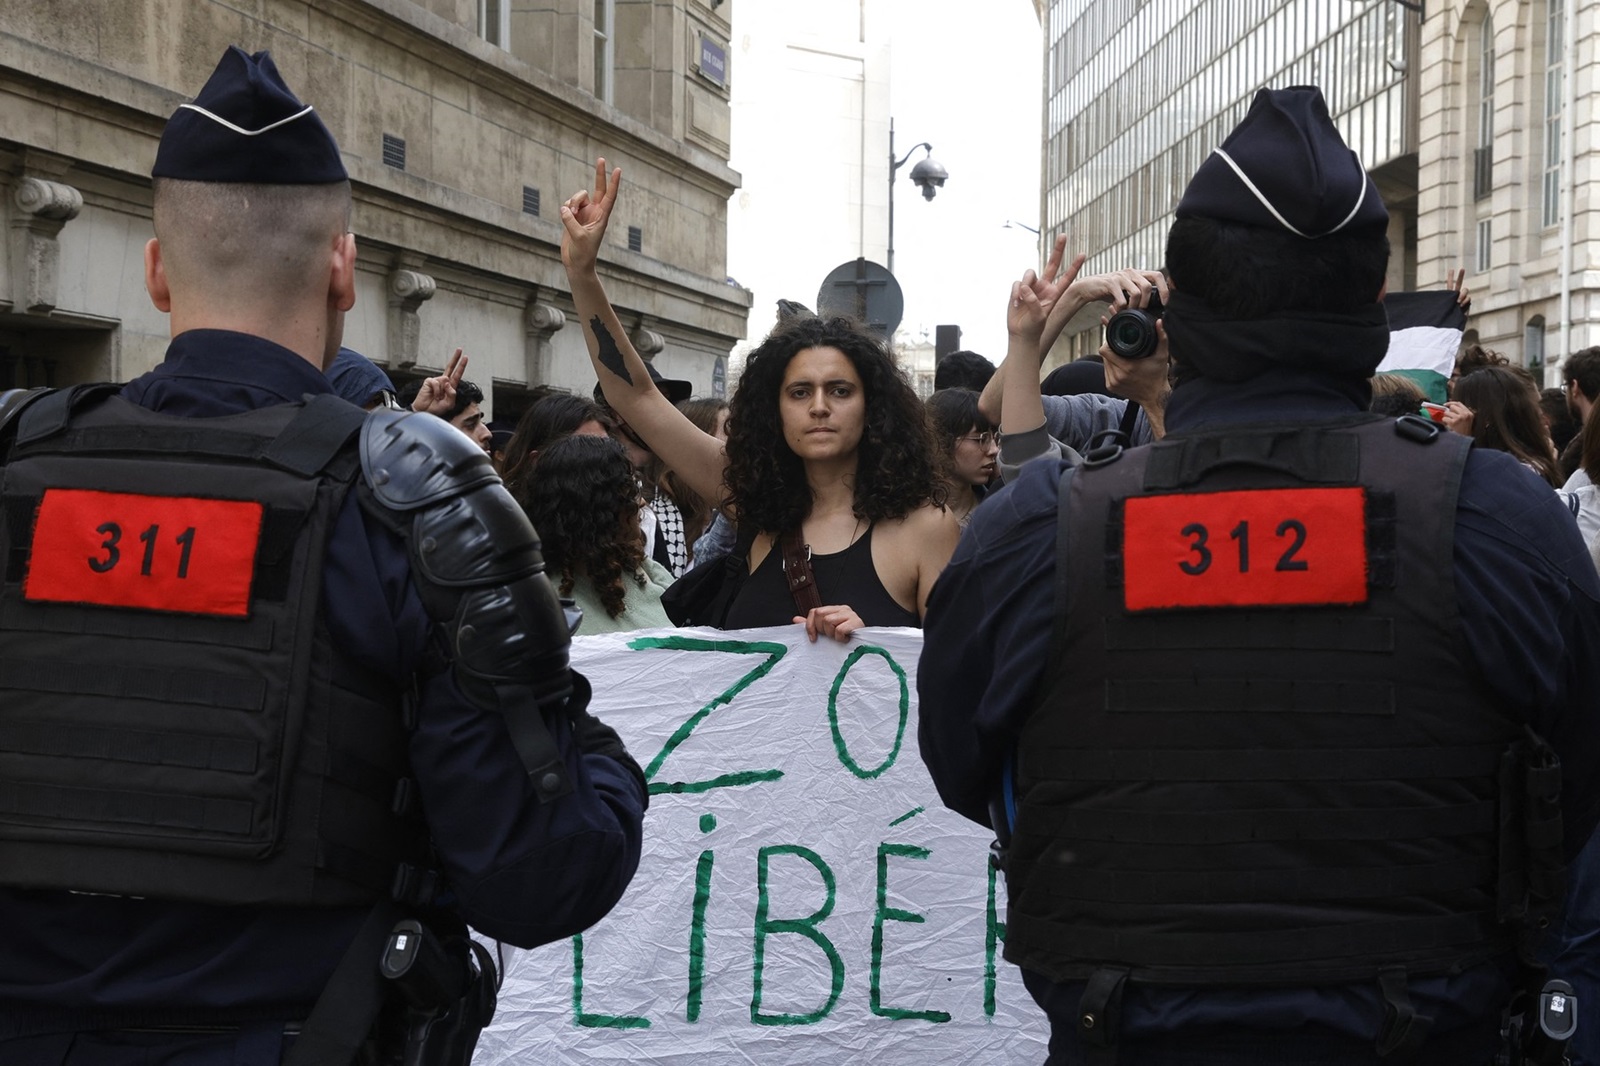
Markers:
<point>585,504</point>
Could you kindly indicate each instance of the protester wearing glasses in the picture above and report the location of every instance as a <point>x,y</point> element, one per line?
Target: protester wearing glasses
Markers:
<point>971,447</point>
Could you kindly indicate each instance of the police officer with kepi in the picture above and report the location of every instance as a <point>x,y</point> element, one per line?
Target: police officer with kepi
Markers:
<point>1272,713</point>
<point>286,688</point>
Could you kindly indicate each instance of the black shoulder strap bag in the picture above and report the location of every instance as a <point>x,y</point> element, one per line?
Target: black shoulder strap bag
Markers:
<point>703,595</point>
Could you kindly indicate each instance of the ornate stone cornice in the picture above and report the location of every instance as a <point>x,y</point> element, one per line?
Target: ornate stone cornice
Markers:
<point>40,209</point>
<point>408,289</point>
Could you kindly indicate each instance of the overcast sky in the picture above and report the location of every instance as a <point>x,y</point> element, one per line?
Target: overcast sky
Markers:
<point>965,76</point>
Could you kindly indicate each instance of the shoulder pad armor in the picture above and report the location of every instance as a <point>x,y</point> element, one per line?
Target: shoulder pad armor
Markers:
<point>476,564</point>
<point>12,402</point>
<point>411,460</point>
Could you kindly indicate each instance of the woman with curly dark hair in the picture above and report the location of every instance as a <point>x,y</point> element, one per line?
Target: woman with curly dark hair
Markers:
<point>971,448</point>
<point>828,448</point>
<point>585,504</point>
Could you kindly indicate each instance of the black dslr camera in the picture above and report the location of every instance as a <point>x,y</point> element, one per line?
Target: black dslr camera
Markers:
<point>1131,333</point>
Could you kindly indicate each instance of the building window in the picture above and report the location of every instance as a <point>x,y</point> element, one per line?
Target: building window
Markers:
<point>1485,246</point>
<point>494,22</point>
<point>605,20</point>
<point>1554,53</point>
<point>635,239</point>
<point>1483,154</point>
<point>530,201</point>
<point>1533,346</point>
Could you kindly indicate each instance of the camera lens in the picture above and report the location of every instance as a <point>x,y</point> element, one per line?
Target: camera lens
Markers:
<point>1131,334</point>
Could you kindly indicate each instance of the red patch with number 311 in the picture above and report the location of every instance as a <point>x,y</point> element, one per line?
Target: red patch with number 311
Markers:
<point>159,553</point>
<point>1258,548</point>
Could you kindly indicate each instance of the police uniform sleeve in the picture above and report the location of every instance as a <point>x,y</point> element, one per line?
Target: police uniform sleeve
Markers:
<point>1530,608</point>
<point>986,639</point>
<point>486,642</point>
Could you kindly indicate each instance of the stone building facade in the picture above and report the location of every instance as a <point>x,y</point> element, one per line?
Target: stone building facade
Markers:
<point>1474,117</point>
<point>463,123</point>
<point>1503,100</point>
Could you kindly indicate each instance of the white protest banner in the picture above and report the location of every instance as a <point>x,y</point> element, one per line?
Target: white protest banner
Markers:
<point>803,896</point>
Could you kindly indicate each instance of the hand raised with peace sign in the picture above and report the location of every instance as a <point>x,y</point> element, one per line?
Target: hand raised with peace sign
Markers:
<point>584,218</point>
<point>438,394</point>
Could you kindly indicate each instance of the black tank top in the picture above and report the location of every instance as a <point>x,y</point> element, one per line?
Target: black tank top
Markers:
<point>846,577</point>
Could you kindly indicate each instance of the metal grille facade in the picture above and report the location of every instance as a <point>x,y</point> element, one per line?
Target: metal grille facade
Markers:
<point>1138,93</point>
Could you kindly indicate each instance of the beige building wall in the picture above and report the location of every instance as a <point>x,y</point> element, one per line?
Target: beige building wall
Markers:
<point>1516,300</point>
<point>451,253</point>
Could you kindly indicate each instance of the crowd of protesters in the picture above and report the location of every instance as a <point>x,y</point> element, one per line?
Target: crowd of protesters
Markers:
<point>825,465</point>
<point>1189,909</point>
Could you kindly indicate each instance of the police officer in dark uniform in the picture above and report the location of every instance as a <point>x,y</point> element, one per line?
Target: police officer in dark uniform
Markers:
<point>1269,713</point>
<point>279,676</point>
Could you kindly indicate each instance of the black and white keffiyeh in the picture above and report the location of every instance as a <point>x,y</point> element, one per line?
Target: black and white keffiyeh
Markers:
<point>669,534</point>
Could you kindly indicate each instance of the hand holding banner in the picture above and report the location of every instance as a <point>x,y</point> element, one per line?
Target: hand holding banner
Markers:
<point>803,896</point>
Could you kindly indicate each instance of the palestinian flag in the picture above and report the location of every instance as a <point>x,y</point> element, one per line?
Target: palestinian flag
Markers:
<point>1424,336</point>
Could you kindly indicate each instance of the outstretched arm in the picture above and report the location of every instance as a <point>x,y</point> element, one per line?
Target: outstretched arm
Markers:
<point>1040,309</point>
<point>693,455</point>
<point>1045,291</point>
<point>1033,300</point>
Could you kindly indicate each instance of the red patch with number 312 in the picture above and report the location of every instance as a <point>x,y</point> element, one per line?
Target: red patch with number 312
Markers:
<point>159,553</point>
<point>1258,548</point>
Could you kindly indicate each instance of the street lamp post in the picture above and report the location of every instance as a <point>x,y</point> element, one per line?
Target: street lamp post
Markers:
<point>929,175</point>
<point>1038,236</point>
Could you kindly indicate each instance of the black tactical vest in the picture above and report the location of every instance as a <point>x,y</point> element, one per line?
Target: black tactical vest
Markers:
<point>1259,757</point>
<point>176,722</point>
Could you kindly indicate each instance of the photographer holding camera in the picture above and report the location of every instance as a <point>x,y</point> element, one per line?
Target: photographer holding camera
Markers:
<point>1271,714</point>
<point>1134,356</point>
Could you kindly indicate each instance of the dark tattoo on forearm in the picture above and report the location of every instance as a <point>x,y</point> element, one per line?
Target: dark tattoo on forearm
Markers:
<point>610,355</point>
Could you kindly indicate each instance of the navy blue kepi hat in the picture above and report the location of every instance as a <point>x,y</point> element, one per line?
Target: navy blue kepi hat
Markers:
<point>246,126</point>
<point>356,378</point>
<point>1286,166</point>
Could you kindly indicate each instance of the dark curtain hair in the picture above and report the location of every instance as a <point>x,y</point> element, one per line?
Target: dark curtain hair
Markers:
<point>955,414</point>
<point>1563,423</point>
<point>952,414</point>
<point>1506,416</point>
<point>555,416</point>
